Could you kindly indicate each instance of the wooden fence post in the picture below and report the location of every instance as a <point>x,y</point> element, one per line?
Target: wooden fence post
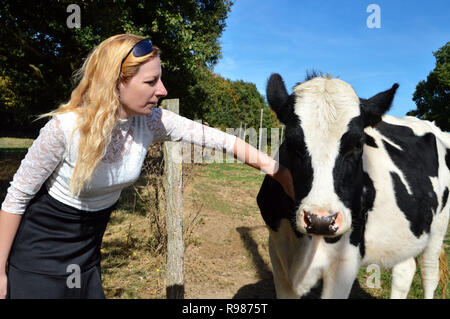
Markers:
<point>174,214</point>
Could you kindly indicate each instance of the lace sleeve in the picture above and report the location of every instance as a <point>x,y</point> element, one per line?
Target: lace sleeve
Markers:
<point>169,126</point>
<point>42,158</point>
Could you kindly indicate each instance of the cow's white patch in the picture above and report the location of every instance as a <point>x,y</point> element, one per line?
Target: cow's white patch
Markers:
<point>387,140</point>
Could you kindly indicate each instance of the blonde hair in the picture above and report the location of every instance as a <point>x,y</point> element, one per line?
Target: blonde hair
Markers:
<point>96,100</point>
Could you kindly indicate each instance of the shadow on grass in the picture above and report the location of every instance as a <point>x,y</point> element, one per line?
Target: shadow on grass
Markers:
<point>117,253</point>
<point>12,151</point>
<point>265,289</point>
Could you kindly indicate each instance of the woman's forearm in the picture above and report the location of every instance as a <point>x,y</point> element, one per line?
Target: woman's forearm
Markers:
<point>251,156</point>
<point>9,223</point>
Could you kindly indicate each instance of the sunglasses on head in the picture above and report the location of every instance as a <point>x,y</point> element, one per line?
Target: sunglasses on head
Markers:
<point>141,48</point>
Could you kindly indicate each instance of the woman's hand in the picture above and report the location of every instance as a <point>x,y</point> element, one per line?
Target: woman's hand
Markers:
<point>3,285</point>
<point>284,177</point>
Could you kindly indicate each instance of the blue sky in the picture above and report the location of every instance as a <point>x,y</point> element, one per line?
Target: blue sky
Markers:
<point>290,37</point>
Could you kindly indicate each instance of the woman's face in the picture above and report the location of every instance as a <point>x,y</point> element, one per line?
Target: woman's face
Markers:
<point>142,92</point>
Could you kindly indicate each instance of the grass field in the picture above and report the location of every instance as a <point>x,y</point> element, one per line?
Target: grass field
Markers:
<point>226,252</point>
<point>15,144</point>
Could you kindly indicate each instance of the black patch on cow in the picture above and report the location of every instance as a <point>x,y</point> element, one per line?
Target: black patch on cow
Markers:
<point>373,109</point>
<point>447,158</point>
<point>444,198</point>
<point>359,219</point>
<point>419,222</point>
<point>370,141</point>
<point>280,101</point>
<point>418,161</point>
<point>351,183</point>
<point>273,202</point>
<point>332,240</point>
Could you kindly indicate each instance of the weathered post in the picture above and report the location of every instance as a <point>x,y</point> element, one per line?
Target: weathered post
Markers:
<point>260,130</point>
<point>174,217</point>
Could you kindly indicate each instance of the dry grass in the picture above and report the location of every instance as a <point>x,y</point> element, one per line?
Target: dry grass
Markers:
<point>129,268</point>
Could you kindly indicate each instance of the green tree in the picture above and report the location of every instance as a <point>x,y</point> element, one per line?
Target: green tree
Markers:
<point>39,52</point>
<point>432,96</point>
<point>228,104</point>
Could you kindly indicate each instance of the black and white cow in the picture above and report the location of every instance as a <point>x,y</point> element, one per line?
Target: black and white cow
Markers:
<point>369,189</point>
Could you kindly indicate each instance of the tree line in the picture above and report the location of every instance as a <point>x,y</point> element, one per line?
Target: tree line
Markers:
<point>40,53</point>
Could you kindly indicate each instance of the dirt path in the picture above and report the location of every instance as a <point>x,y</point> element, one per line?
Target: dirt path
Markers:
<point>227,256</point>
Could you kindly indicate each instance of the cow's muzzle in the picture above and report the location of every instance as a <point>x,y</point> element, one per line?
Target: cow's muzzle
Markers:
<point>321,222</point>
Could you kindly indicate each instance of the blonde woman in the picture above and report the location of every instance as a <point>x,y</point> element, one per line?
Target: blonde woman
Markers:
<point>91,148</point>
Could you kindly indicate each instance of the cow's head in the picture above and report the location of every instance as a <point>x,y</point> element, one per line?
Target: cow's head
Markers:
<point>323,148</point>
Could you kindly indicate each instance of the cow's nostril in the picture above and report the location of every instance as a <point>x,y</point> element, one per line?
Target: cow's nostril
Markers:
<point>333,226</point>
<point>307,219</point>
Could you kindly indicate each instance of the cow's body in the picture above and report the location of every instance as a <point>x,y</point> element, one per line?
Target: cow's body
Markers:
<point>397,203</point>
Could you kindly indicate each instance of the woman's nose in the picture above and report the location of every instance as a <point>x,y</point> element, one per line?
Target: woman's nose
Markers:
<point>161,90</point>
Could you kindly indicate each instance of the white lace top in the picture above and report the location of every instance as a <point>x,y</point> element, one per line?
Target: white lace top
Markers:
<point>52,157</point>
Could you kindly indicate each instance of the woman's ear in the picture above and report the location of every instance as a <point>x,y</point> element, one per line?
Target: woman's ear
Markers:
<point>119,87</point>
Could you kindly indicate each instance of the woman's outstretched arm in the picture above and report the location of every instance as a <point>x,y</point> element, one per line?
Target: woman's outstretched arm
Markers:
<point>169,126</point>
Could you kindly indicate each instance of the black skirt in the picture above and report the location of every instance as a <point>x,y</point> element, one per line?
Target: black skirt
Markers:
<point>56,251</point>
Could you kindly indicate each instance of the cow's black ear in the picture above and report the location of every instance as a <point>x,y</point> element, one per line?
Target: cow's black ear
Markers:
<point>277,94</point>
<point>373,109</point>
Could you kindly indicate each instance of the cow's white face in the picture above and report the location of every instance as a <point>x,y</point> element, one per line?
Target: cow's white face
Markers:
<point>325,108</point>
<point>324,141</point>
